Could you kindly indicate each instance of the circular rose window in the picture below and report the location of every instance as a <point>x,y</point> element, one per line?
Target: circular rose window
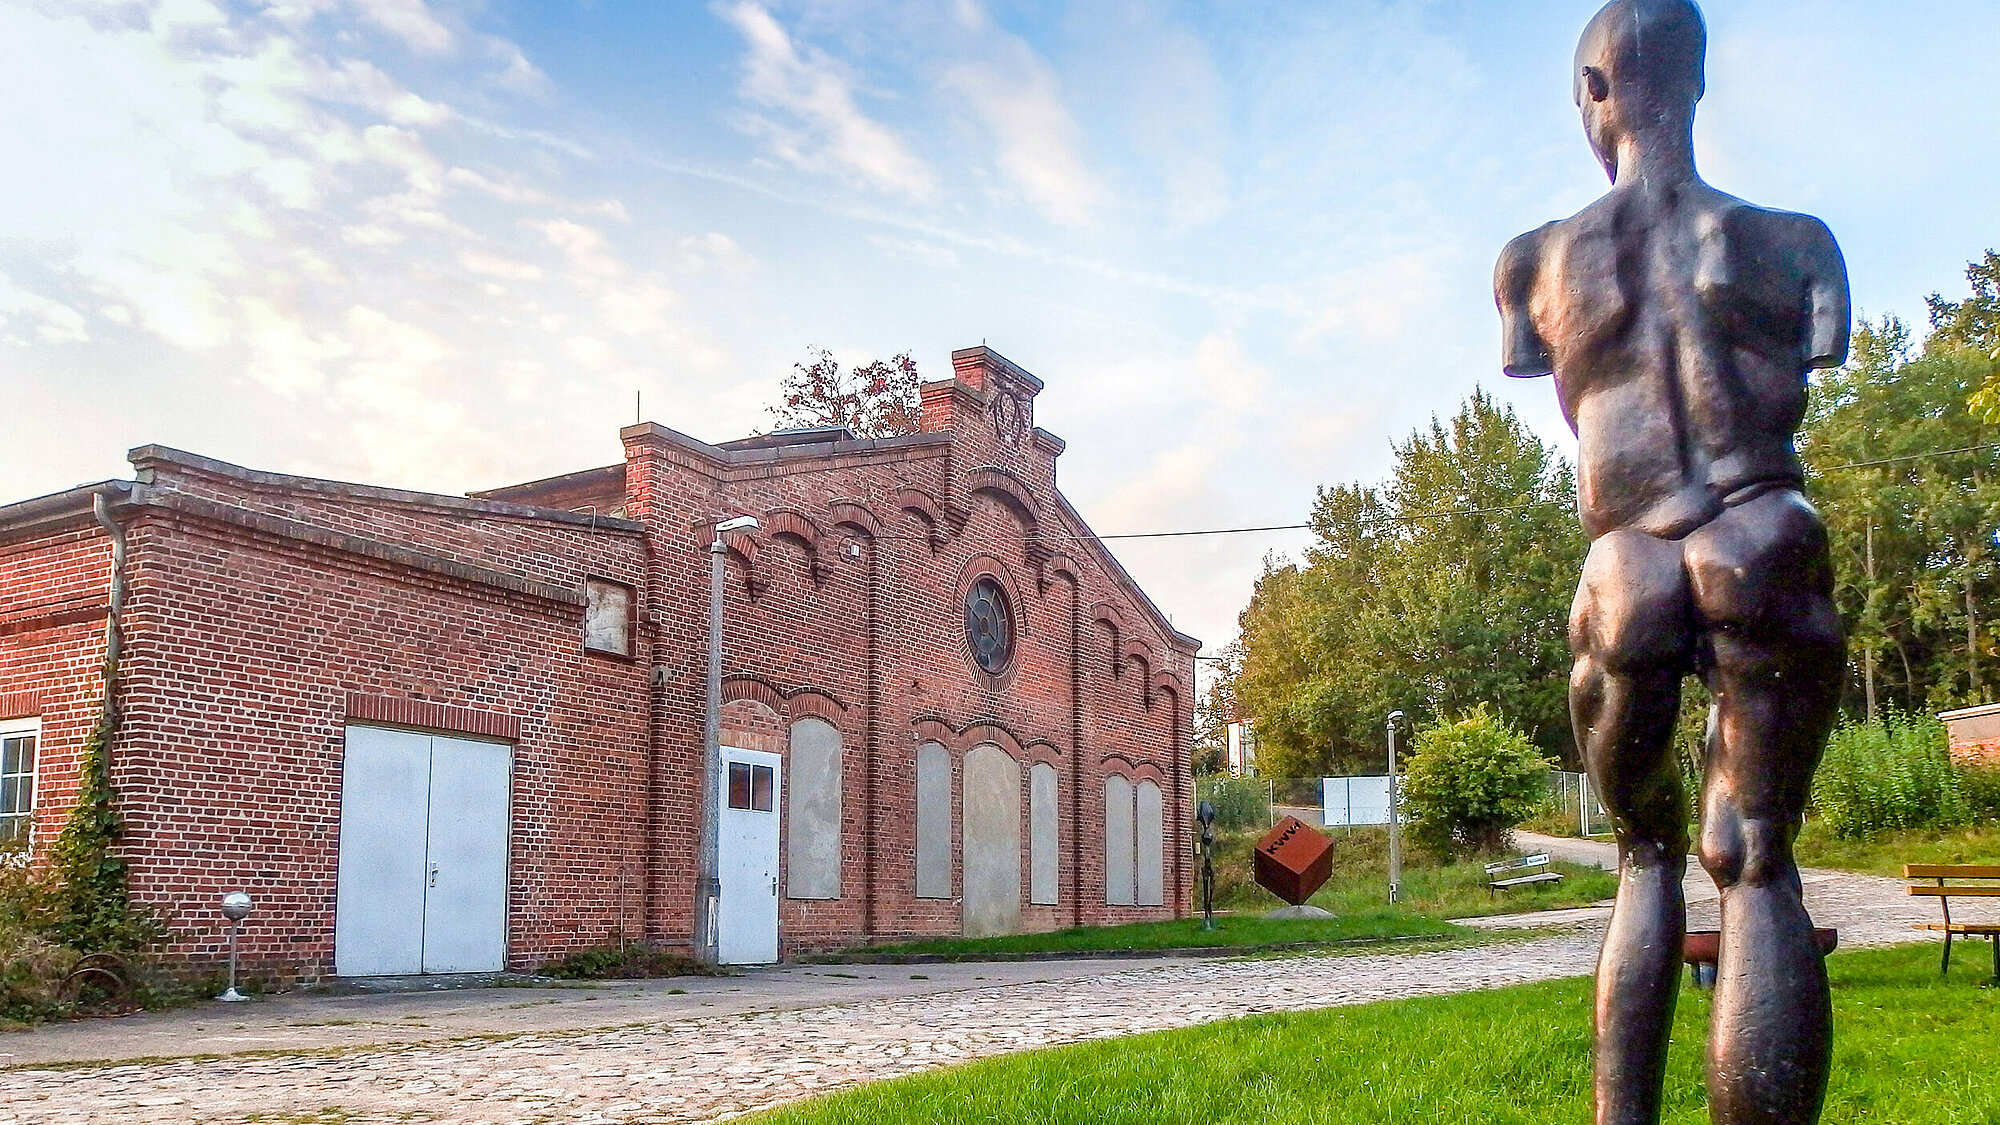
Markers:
<point>989,626</point>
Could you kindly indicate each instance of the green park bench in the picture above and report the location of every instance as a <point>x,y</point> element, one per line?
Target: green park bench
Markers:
<point>1939,888</point>
<point>1533,868</point>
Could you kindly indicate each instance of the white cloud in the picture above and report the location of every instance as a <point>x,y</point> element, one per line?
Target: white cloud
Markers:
<point>1016,96</point>
<point>28,319</point>
<point>830,132</point>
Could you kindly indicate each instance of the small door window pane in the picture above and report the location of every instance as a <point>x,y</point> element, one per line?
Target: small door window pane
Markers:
<point>761,787</point>
<point>739,785</point>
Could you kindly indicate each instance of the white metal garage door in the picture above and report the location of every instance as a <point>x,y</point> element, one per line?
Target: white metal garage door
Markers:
<point>423,854</point>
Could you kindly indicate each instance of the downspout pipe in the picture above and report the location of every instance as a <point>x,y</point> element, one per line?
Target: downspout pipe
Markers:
<point>114,633</point>
<point>114,637</point>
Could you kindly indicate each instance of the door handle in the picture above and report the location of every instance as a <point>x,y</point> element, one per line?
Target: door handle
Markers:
<point>774,886</point>
<point>434,874</point>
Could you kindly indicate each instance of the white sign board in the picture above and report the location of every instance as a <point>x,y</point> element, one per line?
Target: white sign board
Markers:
<point>1352,801</point>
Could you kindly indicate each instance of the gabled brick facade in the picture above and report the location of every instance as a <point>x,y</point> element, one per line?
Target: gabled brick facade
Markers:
<point>263,614</point>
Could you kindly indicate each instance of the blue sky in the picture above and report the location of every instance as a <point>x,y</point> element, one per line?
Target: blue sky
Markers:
<point>441,245</point>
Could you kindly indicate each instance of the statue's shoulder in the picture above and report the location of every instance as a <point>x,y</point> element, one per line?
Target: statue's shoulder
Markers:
<point>1523,259</point>
<point>1764,231</point>
<point>1525,252</point>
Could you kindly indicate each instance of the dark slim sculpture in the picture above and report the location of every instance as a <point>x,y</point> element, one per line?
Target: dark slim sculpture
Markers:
<point>1679,324</point>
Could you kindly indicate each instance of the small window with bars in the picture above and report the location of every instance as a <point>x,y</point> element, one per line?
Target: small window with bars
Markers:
<point>17,780</point>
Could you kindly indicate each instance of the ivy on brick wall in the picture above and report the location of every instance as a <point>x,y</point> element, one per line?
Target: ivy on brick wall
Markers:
<point>91,903</point>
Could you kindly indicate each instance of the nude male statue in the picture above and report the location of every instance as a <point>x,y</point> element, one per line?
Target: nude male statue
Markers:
<point>1679,323</point>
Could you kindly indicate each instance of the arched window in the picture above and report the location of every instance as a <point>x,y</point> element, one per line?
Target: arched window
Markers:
<point>1044,867</point>
<point>812,811</point>
<point>1117,841</point>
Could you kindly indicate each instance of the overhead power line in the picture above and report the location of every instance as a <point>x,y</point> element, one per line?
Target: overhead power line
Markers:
<point>1444,513</point>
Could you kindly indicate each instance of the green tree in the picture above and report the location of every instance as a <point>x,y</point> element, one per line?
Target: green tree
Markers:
<point>1972,327</point>
<point>1213,713</point>
<point>1470,780</point>
<point>1445,587</point>
<point>1910,487</point>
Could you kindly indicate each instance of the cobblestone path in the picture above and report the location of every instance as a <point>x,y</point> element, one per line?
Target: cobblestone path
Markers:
<point>701,1069</point>
<point>706,1067</point>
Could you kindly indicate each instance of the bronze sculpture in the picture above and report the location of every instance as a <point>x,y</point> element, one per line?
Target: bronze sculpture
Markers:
<point>1679,323</point>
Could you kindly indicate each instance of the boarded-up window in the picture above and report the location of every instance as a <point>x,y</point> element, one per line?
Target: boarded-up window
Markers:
<point>1149,837</point>
<point>812,811</point>
<point>933,821</point>
<point>1042,862</point>
<point>607,617</point>
<point>992,844</point>
<point>1117,841</point>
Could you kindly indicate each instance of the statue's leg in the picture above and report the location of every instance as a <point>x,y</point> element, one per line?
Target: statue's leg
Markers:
<point>1632,631</point>
<point>1763,586</point>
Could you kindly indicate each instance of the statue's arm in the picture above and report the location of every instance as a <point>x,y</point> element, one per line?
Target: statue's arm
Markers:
<point>1523,352</point>
<point>1829,309</point>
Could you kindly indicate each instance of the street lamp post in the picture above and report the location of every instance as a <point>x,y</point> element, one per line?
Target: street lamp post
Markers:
<point>708,884</point>
<point>1395,816</point>
<point>235,907</point>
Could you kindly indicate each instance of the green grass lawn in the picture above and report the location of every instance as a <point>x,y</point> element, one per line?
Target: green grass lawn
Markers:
<point>1886,854</point>
<point>1433,888</point>
<point>1357,894</point>
<point>1910,1050</point>
<point>1252,930</point>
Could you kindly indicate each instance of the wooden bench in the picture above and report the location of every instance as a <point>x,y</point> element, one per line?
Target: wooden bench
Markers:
<point>1702,950</point>
<point>1939,888</point>
<point>1498,877</point>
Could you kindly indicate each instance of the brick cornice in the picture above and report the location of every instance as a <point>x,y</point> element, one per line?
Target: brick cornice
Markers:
<point>400,712</point>
<point>356,545</point>
<point>54,619</point>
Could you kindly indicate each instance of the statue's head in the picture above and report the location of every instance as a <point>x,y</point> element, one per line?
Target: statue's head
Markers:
<point>1639,67</point>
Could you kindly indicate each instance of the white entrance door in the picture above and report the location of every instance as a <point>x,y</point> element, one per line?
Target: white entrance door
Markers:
<point>747,856</point>
<point>423,854</point>
<point>465,891</point>
<point>385,800</point>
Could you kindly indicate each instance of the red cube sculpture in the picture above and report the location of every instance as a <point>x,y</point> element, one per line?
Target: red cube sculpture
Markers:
<point>1293,860</point>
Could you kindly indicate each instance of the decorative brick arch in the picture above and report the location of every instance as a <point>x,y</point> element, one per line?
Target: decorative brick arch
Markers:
<point>975,733</point>
<point>787,703</point>
<point>793,527</point>
<point>923,507</point>
<point>744,547</point>
<point>1133,770</point>
<point>738,686</point>
<point>1057,564</point>
<point>808,702</point>
<point>1136,652</point>
<point>784,523</point>
<point>847,513</point>
<point>1011,492</point>
<point>752,723</point>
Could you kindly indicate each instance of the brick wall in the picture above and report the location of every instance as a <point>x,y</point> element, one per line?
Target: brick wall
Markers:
<point>265,612</point>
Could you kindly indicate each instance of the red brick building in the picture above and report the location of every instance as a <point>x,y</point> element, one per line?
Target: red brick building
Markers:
<point>1974,734</point>
<point>443,733</point>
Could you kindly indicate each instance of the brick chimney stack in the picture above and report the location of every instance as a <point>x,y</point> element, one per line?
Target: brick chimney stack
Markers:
<point>979,376</point>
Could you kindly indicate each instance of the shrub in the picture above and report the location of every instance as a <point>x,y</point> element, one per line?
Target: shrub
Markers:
<point>33,970</point>
<point>1895,772</point>
<point>1240,802</point>
<point>633,961</point>
<point>1470,780</point>
<point>1982,791</point>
